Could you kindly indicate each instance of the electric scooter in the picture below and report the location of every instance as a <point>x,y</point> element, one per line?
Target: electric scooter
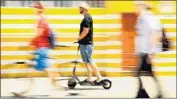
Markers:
<point>72,82</point>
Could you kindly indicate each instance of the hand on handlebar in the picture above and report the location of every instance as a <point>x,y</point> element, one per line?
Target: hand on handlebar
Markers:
<point>76,41</point>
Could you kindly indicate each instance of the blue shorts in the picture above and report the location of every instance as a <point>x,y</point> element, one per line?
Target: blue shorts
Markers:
<point>86,53</point>
<point>41,59</point>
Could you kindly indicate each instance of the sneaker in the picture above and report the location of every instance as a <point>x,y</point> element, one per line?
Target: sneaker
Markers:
<point>86,82</point>
<point>20,95</point>
<point>96,82</point>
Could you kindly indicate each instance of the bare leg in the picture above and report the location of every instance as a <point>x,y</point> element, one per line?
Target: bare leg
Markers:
<point>52,75</point>
<point>89,71</point>
<point>29,87</point>
<point>158,87</point>
<point>96,71</point>
<point>149,60</point>
<point>159,94</point>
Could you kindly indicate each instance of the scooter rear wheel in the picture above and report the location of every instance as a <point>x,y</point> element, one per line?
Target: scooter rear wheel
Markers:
<point>72,83</point>
<point>106,84</point>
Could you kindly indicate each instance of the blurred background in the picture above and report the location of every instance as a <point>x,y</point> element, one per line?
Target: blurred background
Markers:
<point>114,36</point>
<point>114,42</point>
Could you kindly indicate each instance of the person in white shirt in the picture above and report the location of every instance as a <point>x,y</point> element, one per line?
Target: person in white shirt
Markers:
<point>149,32</point>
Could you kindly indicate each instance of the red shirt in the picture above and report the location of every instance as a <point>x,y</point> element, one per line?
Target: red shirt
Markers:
<point>42,39</point>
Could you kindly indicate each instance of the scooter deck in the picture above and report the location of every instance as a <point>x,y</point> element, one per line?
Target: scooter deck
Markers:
<point>89,84</point>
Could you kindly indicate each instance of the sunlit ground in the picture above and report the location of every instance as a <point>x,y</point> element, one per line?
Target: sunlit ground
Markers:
<point>123,87</point>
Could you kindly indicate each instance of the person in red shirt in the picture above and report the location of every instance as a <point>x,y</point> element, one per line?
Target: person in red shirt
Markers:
<point>43,30</point>
<point>43,43</point>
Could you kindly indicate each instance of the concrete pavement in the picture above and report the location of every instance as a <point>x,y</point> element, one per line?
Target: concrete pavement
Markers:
<point>122,87</point>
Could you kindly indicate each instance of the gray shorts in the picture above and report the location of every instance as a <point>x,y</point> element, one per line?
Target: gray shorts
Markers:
<point>86,53</point>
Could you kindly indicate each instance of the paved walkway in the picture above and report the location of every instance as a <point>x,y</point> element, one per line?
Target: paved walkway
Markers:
<point>122,87</point>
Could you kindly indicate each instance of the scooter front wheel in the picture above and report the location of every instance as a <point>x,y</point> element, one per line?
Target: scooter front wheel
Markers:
<point>106,84</point>
<point>72,83</point>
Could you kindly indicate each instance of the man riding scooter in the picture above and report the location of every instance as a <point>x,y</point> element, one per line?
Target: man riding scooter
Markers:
<point>85,41</point>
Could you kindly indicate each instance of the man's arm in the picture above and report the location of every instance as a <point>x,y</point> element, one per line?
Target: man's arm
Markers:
<point>156,37</point>
<point>156,33</point>
<point>83,34</point>
<point>85,31</point>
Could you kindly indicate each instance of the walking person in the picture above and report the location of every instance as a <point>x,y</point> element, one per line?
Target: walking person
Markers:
<point>43,43</point>
<point>149,33</point>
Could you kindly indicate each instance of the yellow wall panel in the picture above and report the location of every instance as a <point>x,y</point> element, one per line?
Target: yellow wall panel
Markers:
<point>112,7</point>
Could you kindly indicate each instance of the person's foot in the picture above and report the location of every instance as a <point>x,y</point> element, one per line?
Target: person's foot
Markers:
<point>18,94</point>
<point>87,81</point>
<point>54,83</point>
<point>159,96</point>
<point>97,81</point>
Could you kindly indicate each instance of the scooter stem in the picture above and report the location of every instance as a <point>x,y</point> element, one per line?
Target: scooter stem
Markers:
<point>75,65</point>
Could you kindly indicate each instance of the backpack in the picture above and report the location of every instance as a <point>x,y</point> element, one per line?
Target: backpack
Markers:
<point>52,39</point>
<point>166,44</point>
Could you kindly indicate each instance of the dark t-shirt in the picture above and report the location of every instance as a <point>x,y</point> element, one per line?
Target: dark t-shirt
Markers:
<point>87,22</point>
